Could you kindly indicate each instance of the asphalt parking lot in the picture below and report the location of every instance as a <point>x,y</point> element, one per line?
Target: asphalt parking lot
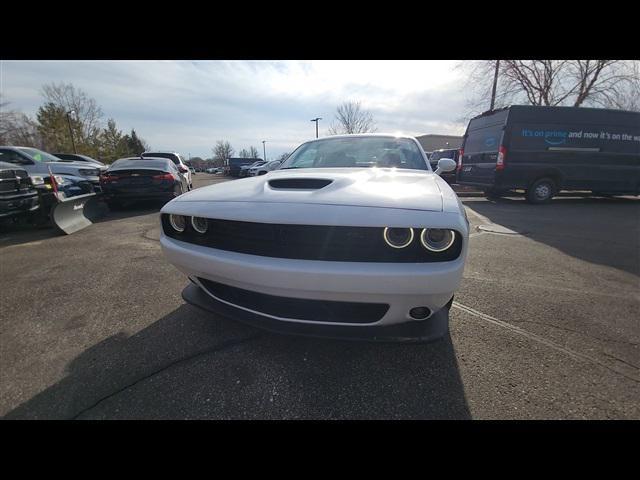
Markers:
<point>545,326</point>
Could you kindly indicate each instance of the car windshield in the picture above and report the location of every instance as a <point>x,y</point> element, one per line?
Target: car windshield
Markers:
<point>39,155</point>
<point>358,152</point>
<point>138,163</point>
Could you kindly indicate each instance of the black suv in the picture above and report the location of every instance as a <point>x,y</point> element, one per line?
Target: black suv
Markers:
<point>18,196</point>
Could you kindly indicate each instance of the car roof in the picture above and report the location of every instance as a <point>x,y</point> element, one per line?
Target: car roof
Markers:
<point>360,135</point>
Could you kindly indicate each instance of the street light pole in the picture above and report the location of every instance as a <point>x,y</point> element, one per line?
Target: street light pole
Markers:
<point>316,120</point>
<point>71,131</point>
<point>495,84</point>
<point>264,150</point>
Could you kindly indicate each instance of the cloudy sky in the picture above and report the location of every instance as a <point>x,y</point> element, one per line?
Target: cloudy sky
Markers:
<point>187,106</point>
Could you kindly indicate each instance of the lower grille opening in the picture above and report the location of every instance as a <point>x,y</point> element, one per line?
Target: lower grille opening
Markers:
<point>296,308</point>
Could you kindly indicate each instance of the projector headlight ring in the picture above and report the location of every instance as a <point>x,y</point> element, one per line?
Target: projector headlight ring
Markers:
<point>398,237</point>
<point>437,239</point>
<point>199,224</point>
<point>178,222</point>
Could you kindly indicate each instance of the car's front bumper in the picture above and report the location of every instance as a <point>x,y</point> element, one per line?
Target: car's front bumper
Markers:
<point>434,328</point>
<point>402,286</point>
<point>18,204</point>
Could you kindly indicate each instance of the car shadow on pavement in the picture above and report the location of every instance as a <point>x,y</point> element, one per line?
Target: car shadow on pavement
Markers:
<point>191,364</point>
<point>603,231</point>
<point>19,233</point>
<point>127,211</point>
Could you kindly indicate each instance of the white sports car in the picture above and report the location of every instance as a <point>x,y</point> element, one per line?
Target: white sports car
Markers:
<point>354,236</point>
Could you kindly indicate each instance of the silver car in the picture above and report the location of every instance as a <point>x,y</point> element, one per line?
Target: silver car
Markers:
<point>264,168</point>
<point>37,164</point>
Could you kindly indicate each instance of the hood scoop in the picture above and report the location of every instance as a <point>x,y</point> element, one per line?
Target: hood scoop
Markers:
<point>299,183</point>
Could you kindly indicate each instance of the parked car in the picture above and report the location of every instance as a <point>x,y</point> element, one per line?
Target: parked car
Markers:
<point>130,180</point>
<point>436,155</point>
<point>192,170</point>
<point>74,157</point>
<point>18,195</point>
<point>543,150</point>
<point>177,159</point>
<point>74,178</point>
<point>335,248</point>
<point>235,164</point>
<point>244,169</point>
<point>264,168</point>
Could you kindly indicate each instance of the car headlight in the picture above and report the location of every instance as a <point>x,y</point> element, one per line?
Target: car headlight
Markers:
<point>178,222</point>
<point>437,239</point>
<point>199,224</point>
<point>37,180</point>
<point>61,180</point>
<point>398,237</point>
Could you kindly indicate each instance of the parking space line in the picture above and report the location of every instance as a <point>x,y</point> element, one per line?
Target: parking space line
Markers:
<point>537,338</point>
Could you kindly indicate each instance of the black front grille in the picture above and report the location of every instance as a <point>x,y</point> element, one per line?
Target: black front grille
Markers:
<point>14,181</point>
<point>296,308</point>
<point>308,242</point>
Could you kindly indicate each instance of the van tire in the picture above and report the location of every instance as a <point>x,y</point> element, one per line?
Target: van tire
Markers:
<point>541,191</point>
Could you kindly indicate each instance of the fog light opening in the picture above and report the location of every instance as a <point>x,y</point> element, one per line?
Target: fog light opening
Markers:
<point>419,313</point>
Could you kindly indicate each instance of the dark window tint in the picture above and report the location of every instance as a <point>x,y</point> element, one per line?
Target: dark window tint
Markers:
<point>12,157</point>
<point>140,163</point>
<point>486,139</point>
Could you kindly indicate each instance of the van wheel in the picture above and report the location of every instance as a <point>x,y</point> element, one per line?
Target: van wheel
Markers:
<point>541,191</point>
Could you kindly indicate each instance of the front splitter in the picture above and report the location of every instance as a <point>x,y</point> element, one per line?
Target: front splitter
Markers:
<point>434,328</point>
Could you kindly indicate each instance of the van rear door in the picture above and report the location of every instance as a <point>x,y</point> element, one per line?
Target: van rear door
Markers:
<point>480,149</point>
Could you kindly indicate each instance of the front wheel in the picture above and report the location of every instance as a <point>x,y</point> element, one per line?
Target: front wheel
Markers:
<point>541,191</point>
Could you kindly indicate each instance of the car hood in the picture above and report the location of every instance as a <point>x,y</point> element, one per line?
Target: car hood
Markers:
<point>71,168</point>
<point>366,187</point>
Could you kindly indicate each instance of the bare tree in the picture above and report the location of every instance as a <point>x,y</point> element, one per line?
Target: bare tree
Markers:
<point>16,128</point>
<point>222,151</point>
<point>253,152</point>
<point>244,153</point>
<point>87,111</point>
<point>549,82</point>
<point>351,118</point>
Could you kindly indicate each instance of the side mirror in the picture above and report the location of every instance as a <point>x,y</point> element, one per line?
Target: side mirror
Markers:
<point>445,165</point>
<point>183,169</point>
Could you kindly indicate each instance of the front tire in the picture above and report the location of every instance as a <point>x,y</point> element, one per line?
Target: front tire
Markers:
<point>541,191</point>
